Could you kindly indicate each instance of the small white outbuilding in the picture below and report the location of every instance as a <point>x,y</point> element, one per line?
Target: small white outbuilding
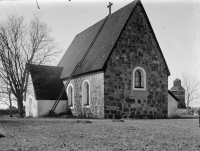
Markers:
<point>172,104</point>
<point>42,91</point>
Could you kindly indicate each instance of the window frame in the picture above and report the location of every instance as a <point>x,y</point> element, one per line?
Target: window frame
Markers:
<point>138,79</point>
<point>72,96</point>
<point>143,79</point>
<point>88,94</point>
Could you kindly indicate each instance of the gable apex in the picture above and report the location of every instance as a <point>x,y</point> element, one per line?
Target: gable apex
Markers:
<point>102,45</point>
<point>168,72</point>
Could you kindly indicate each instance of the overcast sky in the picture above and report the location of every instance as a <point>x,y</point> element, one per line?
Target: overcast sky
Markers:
<point>175,24</point>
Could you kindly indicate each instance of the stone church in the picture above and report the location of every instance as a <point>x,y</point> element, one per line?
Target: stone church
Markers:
<point>121,71</point>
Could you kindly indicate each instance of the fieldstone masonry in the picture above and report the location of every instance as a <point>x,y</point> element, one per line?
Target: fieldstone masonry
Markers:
<point>96,109</point>
<point>136,46</point>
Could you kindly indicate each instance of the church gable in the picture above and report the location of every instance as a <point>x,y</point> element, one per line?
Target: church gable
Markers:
<point>93,46</point>
<point>136,47</point>
<point>98,40</point>
<point>138,35</point>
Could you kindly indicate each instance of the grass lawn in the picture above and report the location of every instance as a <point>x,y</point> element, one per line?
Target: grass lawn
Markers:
<point>66,134</point>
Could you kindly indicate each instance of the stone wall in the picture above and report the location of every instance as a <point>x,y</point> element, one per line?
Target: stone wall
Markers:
<point>96,109</point>
<point>136,46</point>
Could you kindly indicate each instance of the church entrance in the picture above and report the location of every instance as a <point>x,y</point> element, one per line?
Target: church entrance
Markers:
<point>30,107</point>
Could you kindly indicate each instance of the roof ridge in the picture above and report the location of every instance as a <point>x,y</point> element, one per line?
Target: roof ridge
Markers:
<point>135,1</point>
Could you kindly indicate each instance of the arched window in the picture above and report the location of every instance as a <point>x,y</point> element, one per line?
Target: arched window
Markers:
<point>70,95</point>
<point>86,93</point>
<point>139,79</point>
<point>30,107</point>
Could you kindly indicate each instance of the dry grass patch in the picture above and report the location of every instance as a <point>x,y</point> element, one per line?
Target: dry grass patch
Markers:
<point>67,134</point>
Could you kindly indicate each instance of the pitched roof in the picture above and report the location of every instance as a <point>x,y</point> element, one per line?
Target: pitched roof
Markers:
<point>177,88</point>
<point>177,79</point>
<point>102,46</point>
<point>46,82</point>
<point>173,96</point>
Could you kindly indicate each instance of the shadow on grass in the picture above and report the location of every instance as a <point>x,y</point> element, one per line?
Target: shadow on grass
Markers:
<point>185,116</point>
<point>6,122</point>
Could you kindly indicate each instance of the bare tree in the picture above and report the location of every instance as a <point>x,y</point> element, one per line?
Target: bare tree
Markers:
<point>7,99</point>
<point>22,44</point>
<point>6,96</point>
<point>191,85</point>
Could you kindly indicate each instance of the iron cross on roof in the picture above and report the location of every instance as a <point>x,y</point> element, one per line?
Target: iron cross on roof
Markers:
<point>109,6</point>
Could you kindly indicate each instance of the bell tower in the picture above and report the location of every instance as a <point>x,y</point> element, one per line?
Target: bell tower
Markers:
<point>179,92</point>
<point>177,82</point>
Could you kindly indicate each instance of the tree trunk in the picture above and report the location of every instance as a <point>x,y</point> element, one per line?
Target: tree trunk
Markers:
<point>187,106</point>
<point>187,109</point>
<point>20,106</point>
<point>26,85</point>
<point>10,108</point>
<point>10,100</point>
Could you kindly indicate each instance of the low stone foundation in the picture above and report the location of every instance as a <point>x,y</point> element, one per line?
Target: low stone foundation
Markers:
<point>132,108</point>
